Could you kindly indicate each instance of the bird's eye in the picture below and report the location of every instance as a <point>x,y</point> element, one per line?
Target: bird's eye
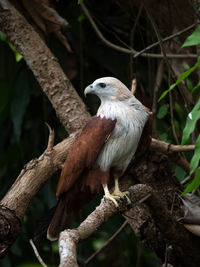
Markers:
<point>102,85</point>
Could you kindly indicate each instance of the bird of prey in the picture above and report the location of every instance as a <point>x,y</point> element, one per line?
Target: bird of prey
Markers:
<point>102,150</point>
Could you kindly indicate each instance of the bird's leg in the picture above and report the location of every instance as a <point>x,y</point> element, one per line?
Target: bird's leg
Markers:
<point>109,196</point>
<point>120,194</point>
<point>117,194</point>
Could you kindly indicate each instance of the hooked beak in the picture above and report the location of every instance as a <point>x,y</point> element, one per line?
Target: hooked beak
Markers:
<point>88,90</point>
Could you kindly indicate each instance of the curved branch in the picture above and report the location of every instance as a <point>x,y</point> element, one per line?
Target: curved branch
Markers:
<point>173,232</point>
<point>14,204</point>
<point>129,51</point>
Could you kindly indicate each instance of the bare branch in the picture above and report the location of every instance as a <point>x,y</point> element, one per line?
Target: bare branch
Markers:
<point>172,230</point>
<point>167,147</point>
<point>165,39</point>
<point>37,253</point>
<point>106,243</point>
<point>159,78</point>
<point>51,138</point>
<point>129,51</point>
<point>14,204</point>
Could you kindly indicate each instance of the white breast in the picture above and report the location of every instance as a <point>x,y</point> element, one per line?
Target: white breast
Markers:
<point>121,146</point>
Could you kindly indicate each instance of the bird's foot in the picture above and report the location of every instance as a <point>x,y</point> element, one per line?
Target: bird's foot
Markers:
<point>112,198</point>
<point>118,195</point>
<point>122,195</point>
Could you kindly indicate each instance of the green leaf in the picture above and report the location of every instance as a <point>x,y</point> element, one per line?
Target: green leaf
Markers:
<point>80,1</point>
<point>196,87</point>
<point>3,38</point>
<point>193,185</point>
<point>193,39</point>
<point>18,56</point>
<point>162,112</point>
<point>81,18</point>
<point>180,173</point>
<point>192,118</point>
<point>180,79</point>
<point>196,157</point>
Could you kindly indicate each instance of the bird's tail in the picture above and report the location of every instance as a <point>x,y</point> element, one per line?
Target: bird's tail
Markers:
<point>61,220</point>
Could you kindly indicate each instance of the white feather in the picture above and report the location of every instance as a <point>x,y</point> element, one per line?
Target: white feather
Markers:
<point>121,146</point>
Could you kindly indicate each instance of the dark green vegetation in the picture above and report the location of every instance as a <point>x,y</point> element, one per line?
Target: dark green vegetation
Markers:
<point>24,109</point>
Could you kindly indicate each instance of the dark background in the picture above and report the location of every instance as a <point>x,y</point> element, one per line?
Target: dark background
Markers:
<point>24,109</point>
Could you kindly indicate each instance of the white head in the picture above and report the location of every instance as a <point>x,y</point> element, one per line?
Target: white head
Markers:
<point>108,88</point>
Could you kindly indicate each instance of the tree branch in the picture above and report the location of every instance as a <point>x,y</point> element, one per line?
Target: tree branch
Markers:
<point>165,39</point>
<point>68,105</point>
<point>164,147</point>
<point>125,223</point>
<point>34,174</point>
<point>129,50</point>
<point>173,232</point>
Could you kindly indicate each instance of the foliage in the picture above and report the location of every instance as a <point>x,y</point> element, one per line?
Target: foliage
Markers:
<point>193,39</point>
<point>191,121</point>
<point>3,38</point>
<point>162,112</point>
<point>183,76</point>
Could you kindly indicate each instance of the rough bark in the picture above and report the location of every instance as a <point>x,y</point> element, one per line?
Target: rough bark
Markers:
<point>68,106</point>
<point>154,228</point>
<point>174,235</point>
<point>34,174</point>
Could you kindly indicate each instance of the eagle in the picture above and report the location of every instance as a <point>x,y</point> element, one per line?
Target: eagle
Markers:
<point>102,151</point>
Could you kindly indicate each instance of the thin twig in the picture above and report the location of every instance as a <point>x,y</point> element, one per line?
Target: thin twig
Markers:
<point>166,39</point>
<point>172,118</point>
<point>51,137</point>
<point>169,148</point>
<point>106,243</point>
<point>129,51</point>
<point>133,85</point>
<point>159,78</point>
<point>158,37</point>
<point>132,37</point>
<point>186,180</point>
<point>165,56</point>
<point>37,253</point>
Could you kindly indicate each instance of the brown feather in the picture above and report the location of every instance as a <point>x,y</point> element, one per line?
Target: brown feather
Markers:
<point>84,151</point>
<point>145,139</point>
<point>79,179</point>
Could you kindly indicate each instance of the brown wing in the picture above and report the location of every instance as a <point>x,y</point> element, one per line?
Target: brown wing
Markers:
<point>84,151</point>
<point>145,139</point>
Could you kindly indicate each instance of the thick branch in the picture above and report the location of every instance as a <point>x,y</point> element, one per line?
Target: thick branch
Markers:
<point>33,175</point>
<point>69,107</point>
<point>13,206</point>
<point>174,233</point>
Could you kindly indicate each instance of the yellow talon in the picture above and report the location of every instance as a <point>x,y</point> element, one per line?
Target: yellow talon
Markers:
<point>116,195</point>
<point>112,198</point>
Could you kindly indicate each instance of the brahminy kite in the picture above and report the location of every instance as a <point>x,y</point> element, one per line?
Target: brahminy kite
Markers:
<point>102,150</point>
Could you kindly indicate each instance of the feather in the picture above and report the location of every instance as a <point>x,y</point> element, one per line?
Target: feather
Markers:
<point>84,151</point>
<point>80,178</point>
<point>106,144</point>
